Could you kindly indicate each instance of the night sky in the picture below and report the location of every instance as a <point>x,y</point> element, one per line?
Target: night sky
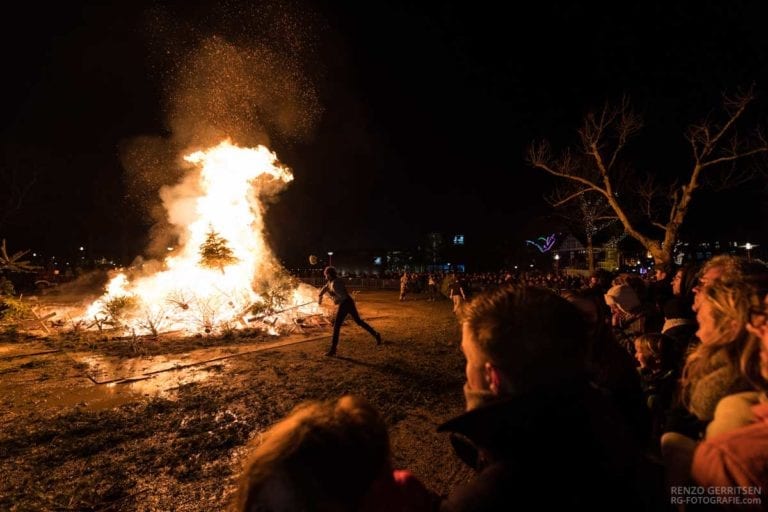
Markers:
<point>396,120</point>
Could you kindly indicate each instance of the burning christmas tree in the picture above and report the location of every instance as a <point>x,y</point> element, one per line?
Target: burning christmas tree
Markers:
<point>215,253</point>
<point>222,266</point>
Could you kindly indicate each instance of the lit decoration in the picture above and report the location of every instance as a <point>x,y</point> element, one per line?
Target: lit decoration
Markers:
<point>614,241</point>
<point>543,244</point>
<point>222,270</point>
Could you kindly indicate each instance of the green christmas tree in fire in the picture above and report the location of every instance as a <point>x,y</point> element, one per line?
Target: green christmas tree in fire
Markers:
<point>215,252</point>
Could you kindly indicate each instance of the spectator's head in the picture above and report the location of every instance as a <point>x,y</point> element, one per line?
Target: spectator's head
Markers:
<point>653,351</point>
<point>521,339</point>
<point>715,268</point>
<point>722,313</point>
<point>324,456</point>
<point>722,317</point>
<point>664,272</point>
<point>677,282</point>
<point>622,297</point>
<point>600,279</point>
<point>330,272</point>
<point>685,280</point>
<point>731,268</point>
<point>754,362</point>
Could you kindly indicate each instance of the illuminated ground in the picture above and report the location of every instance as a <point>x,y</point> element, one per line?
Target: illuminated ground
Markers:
<point>109,425</point>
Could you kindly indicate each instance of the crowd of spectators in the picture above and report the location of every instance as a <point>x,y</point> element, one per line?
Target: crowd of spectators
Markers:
<point>617,391</point>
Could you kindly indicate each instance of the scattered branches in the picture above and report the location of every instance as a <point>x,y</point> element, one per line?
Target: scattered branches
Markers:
<point>179,299</point>
<point>14,263</point>
<point>152,320</point>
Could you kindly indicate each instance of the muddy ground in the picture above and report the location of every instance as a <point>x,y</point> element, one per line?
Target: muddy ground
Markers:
<point>95,423</point>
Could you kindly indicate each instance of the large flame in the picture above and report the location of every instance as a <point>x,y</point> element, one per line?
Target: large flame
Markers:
<point>190,293</point>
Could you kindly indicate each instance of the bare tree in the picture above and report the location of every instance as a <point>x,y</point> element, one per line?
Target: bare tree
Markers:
<point>586,216</point>
<point>597,168</point>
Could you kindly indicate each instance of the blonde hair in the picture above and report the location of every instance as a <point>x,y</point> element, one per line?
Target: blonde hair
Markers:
<point>729,301</point>
<point>657,347</point>
<point>323,456</point>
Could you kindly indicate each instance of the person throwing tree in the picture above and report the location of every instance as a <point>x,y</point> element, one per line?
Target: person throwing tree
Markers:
<point>334,287</point>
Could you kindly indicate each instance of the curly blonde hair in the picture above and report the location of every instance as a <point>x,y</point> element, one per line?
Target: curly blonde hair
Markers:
<point>729,301</point>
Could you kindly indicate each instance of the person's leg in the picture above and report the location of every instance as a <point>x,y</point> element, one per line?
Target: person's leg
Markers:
<point>341,314</point>
<point>356,317</point>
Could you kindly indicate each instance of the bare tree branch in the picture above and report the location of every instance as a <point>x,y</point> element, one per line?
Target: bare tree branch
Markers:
<point>558,198</point>
<point>734,156</point>
<point>647,190</point>
<point>731,177</point>
<point>598,168</point>
<point>539,157</point>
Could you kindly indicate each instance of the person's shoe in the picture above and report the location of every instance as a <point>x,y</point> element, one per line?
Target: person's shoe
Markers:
<point>378,338</point>
<point>331,353</point>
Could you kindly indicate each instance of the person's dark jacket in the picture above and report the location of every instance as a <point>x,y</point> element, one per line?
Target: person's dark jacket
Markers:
<point>566,450</point>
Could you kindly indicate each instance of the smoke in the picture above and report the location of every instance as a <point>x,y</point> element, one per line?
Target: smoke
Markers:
<point>237,70</point>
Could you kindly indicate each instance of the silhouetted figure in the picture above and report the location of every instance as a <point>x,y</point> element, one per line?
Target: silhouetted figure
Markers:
<point>334,287</point>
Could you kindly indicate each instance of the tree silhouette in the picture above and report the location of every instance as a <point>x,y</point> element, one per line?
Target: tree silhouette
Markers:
<point>596,167</point>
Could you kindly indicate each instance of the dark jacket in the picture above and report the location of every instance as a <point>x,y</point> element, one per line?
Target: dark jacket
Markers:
<point>561,450</point>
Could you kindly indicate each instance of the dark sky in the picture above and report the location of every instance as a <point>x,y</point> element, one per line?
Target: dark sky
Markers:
<point>421,119</point>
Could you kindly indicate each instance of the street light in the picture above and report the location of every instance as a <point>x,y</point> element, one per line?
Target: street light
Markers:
<point>557,262</point>
<point>330,258</point>
<point>748,246</point>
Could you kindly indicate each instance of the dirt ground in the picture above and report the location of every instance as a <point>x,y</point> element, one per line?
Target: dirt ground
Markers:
<point>88,423</point>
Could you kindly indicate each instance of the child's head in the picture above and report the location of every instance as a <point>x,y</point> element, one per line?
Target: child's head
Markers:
<point>652,351</point>
<point>324,456</point>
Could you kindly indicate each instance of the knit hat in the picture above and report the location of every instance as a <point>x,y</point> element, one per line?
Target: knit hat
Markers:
<point>624,297</point>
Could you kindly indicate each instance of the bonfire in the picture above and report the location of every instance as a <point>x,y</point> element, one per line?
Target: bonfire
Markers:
<point>222,274</point>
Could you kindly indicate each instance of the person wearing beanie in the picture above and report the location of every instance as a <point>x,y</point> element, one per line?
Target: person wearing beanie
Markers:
<point>627,315</point>
<point>623,297</point>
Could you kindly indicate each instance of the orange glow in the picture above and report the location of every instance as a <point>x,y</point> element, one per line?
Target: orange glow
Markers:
<point>221,194</point>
